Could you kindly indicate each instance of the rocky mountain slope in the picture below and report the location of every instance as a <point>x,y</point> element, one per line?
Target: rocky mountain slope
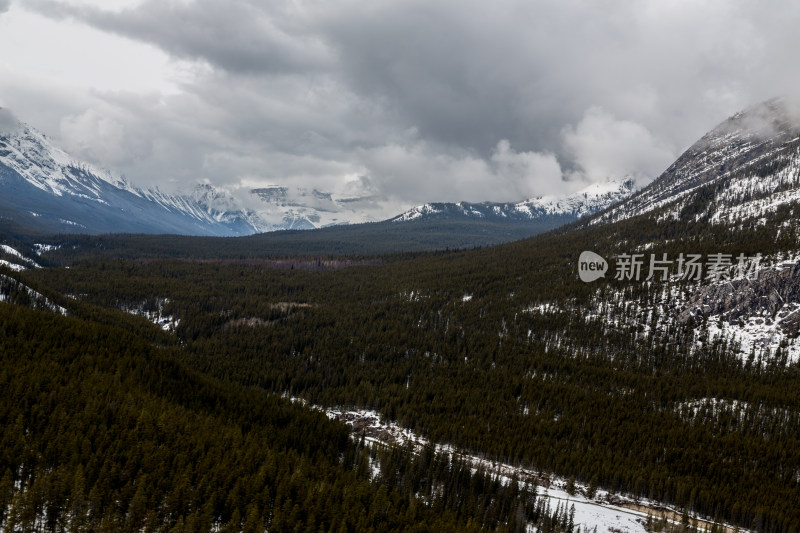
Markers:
<point>745,166</point>
<point>733,197</point>
<point>46,189</point>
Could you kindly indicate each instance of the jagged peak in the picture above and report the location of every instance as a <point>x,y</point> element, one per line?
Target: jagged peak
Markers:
<point>44,164</point>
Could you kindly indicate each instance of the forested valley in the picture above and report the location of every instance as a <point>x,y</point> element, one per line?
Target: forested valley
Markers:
<point>500,351</point>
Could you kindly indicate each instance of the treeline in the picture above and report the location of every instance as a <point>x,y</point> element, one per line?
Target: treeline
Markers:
<point>367,239</point>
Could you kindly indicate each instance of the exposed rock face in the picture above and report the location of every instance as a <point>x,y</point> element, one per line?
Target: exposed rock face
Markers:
<point>773,295</point>
<point>751,162</point>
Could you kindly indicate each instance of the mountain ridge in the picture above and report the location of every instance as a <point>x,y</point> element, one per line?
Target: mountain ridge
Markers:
<point>42,181</point>
<point>588,200</point>
<point>50,191</point>
<point>738,157</point>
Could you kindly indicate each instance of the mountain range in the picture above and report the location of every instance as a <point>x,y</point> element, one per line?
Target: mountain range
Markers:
<point>743,168</point>
<point>47,190</point>
<point>557,209</point>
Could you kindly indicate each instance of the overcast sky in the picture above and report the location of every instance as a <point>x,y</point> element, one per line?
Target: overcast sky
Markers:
<point>408,100</point>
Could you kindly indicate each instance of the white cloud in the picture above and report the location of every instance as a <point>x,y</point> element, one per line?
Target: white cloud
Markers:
<point>605,147</point>
<point>528,174</point>
<point>418,172</point>
<point>96,137</point>
<point>72,54</point>
<point>8,122</point>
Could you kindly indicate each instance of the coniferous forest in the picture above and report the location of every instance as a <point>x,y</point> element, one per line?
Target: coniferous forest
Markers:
<point>112,423</point>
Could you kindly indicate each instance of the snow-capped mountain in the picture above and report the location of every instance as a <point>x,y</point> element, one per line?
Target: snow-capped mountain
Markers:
<point>281,207</point>
<point>591,199</point>
<point>43,187</point>
<point>743,168</point>
<point>46,189</point>
<point>227,210</point>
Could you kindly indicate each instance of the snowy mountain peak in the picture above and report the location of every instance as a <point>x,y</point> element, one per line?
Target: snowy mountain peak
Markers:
<point>592,198</point>
<point>52,191</point>
<point>420,211</point>
<point>285,207</point>
<point>751,155</point>
<point>34,157</point>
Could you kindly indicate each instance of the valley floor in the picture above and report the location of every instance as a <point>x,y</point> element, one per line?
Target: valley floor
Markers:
<point>603,512</point>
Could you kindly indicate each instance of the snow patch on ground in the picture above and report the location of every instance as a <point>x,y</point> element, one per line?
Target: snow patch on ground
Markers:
<point>605,511</point>
<point>757,335</point>
<point>543,308</point>
<point>44,248</point>
<point>13,266</point>
<point>156,316</point>
<point>28,263</point>
<point>9,285</point>
<point>413,295</point>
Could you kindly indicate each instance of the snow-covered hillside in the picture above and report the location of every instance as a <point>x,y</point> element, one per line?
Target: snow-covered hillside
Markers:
<point>742,178</point>
<point>743,168</point>
<point>757,315</point>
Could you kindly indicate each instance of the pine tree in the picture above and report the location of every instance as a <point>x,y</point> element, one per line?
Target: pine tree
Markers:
<point>570,487</point>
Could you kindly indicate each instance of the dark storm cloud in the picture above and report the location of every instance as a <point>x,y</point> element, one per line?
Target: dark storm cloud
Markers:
<point>471,73</point>
<point>237,35</point>
<point>442,100</point>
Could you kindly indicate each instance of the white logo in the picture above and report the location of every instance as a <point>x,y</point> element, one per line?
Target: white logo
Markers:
<point>591,266</point>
